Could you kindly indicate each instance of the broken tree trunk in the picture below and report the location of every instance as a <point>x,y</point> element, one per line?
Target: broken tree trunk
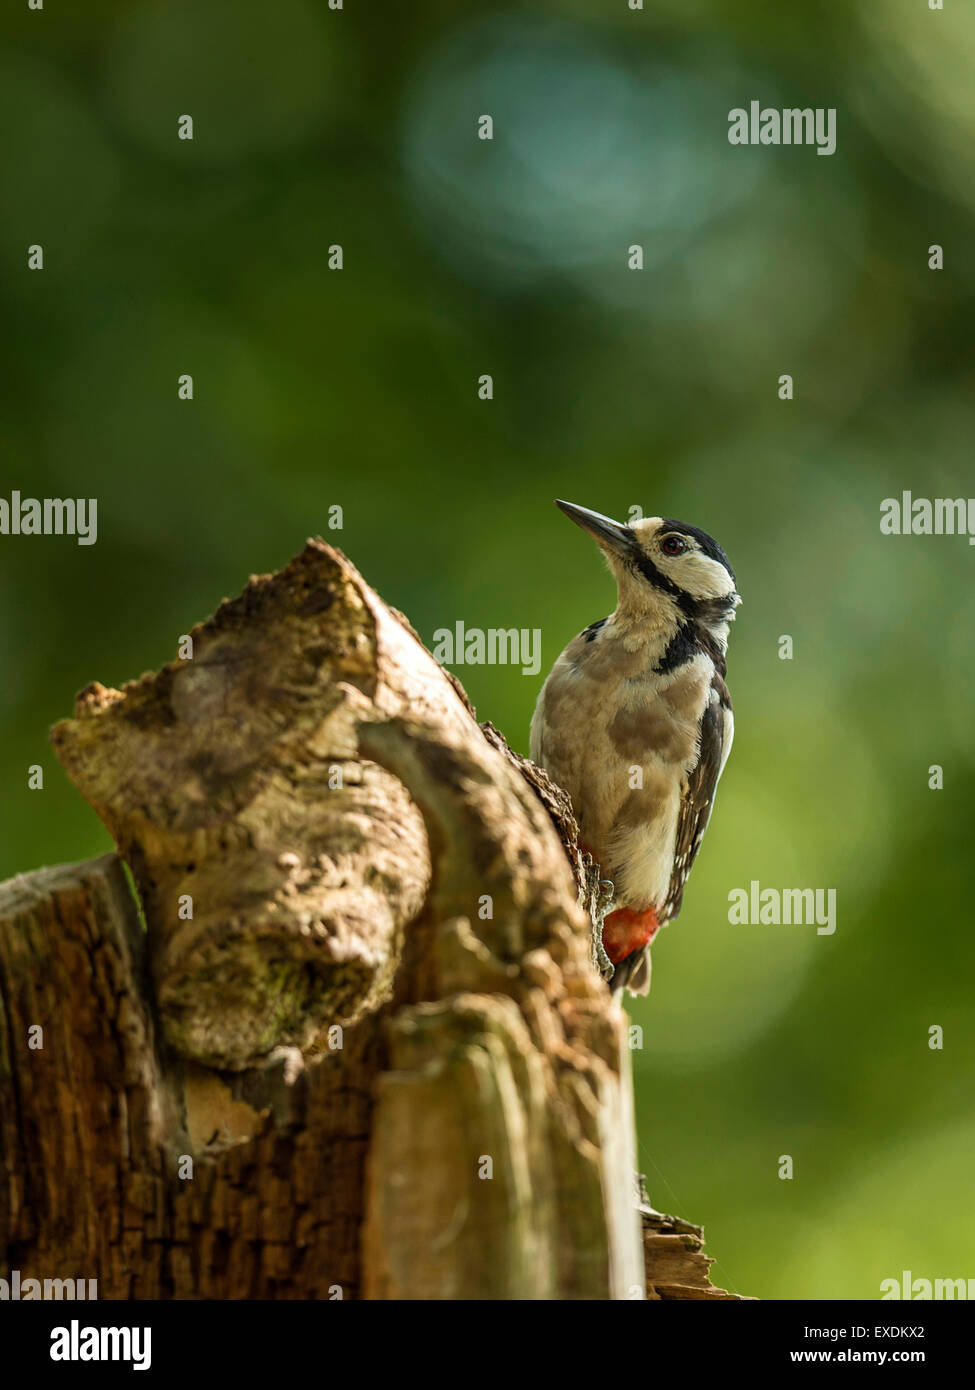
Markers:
<point>360,1046</point>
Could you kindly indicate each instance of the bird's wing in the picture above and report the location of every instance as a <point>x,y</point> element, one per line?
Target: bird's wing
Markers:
<point>697,793</point>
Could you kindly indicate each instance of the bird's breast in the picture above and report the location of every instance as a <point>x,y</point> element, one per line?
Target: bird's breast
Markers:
<point>621,738</point>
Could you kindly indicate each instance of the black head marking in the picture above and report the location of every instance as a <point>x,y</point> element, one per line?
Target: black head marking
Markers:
<point>644,565</point>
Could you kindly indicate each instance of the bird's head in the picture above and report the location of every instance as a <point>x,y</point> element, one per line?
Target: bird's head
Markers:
<point>664,569</point>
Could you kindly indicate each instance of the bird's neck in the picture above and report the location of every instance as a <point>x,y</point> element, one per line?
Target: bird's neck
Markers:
<point>642,626</point>
<point>664,635</point>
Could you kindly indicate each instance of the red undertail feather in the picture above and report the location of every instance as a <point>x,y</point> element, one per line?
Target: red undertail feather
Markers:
<point>625,931</point>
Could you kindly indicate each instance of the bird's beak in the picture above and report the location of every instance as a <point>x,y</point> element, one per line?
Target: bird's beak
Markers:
<point>607,532</point>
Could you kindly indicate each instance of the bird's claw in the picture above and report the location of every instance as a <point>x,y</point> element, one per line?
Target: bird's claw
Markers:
<point>604,965</point>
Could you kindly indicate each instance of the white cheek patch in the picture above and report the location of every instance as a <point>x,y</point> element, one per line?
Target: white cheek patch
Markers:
<point>701,576</point>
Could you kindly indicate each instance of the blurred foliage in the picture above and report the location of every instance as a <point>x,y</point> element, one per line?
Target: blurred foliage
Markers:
<point>613,388</point>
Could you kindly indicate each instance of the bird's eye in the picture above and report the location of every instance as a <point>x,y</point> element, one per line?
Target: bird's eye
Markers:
<point>673,545</point>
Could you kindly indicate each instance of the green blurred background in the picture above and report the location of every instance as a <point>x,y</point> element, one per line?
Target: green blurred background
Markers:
<point>613,388</point>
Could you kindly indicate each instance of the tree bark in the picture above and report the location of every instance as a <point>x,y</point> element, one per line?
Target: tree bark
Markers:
<point>360,1045</point>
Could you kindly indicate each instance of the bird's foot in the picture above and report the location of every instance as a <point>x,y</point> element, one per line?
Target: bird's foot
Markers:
<point>599,895</point>
<point>604,965</point>
<point>604,898</point>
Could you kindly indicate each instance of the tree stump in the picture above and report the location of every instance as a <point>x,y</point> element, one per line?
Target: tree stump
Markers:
<point>356,1043</point>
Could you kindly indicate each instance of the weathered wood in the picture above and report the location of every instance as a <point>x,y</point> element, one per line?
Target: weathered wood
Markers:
<point>93,1126</point>
<point>676,1265</point>
<point>521,1096</point>
<point>232,785</point>
<point>84,1106</point>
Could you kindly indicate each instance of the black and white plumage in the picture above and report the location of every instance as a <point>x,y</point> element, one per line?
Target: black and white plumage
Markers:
<point>635,722</point>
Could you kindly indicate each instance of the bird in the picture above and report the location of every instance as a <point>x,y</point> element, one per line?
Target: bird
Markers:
<point>635,723</point>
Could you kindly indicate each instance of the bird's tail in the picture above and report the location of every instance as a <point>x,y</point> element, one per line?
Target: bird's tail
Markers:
<point>633,973</point>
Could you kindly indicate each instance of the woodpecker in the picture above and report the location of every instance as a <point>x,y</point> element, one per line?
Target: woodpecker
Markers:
<point>634,721</point>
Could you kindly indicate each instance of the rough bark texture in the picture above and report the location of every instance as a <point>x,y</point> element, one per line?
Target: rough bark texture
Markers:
<point>361,1047</point>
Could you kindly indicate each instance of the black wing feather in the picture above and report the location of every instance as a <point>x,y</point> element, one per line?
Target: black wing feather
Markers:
<point>697,797</point>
